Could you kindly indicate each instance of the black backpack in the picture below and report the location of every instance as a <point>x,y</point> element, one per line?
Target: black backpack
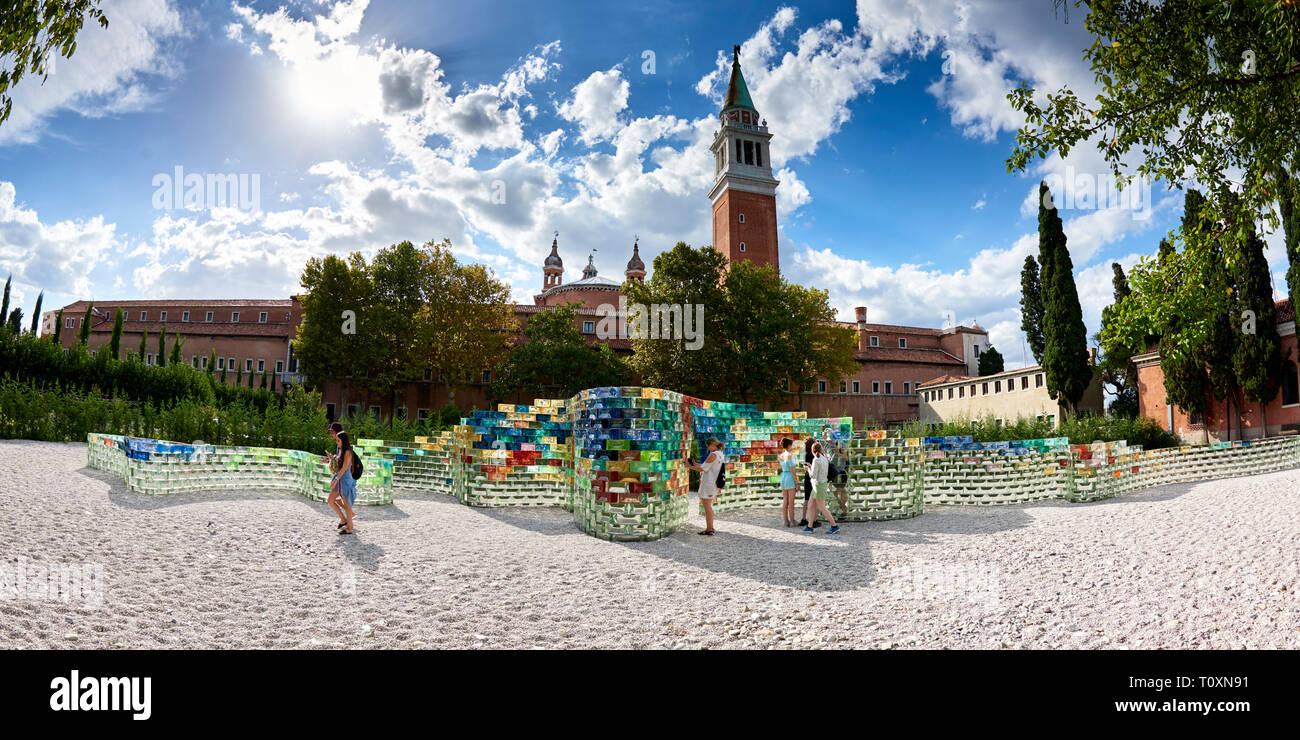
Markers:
<point>722,476</point>
<point>357,467</point>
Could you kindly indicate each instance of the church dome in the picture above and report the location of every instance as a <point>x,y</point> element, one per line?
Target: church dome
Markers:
<point>635,264</point>
<point>553,259</point>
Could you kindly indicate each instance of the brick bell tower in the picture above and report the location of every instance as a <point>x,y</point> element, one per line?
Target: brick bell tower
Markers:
<point>744,190</point>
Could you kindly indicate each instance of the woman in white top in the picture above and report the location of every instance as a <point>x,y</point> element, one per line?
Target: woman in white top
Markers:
<point>819,473</point>
<point>709,480</point>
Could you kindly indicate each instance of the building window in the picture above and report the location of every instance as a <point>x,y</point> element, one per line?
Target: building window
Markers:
<point>961,393</point>
<point>261,366</point>
<point>374,411</point>
<point>487,376</point>
<point>1024,382</point>
<point>248,364</point>
<point>742,246</point>
<point>875,342</point>
<point>144,315</point>
<point>203,363</point>
<point>749,152</point>
<point>230,363</point>
<point>261,318</point>
<point>821,386</point>
<point>401,413</point>
<point>148,359</point>
<point>70,323</point>
<point>428,374</point>
<point>977,350</point>
<point>353,409</point>
<point>889,388</point>
<point>997,386</point>
<point>329,411</point>
<point>857,387</point>
<point>902,343</point>
<point>221,363</point>
<point>1038,380</point>
<point>844,387</point>
<point>163,317</point>
<point>875,386</point>
<point>279,366</point>
<point>740,157</point>
<point>185,315</point>
<point>907,388</point>
<point>421,414</point>
<point>1290,387</point>
<point>742,218</point>
<point>588,327</point>
<point>758,153</point>
<point>984,390</point>
<point>234,316</point>
<point>209,318</point>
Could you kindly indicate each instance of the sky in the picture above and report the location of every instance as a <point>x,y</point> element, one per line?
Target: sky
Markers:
<point>352,125</point>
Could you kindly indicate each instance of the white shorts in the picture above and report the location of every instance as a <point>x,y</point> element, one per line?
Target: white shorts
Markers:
<point>706,495</point>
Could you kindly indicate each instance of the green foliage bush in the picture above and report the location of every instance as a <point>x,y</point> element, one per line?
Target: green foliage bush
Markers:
<point>1080,428</point>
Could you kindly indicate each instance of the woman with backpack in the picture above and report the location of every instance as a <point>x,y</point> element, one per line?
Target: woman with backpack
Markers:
<point>343,487</point>
<point>807,482</point>
<point>839,469</point>
<point>710,474</point>
<point>819,472</point>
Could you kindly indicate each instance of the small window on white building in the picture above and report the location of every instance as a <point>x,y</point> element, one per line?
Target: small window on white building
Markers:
<point>279,366</point>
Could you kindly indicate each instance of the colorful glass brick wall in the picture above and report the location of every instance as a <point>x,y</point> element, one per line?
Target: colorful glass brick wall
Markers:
<point>157,467</point>
<point>518,455</point>
<point>629,446</point>
<point>885,478</point>
<point>959,470</point>
<point>422,466</point>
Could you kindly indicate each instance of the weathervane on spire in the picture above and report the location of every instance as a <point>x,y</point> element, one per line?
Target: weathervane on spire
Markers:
<point>735,53</point>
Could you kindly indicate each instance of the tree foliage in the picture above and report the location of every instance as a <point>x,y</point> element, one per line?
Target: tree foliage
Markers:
<point>763,335</point>
<point>115,343</point>
<point>31,31</point>
<point>1031,307</point>
<point>991,362</point>
<point>36,312</point>
<point>1117,370</point>
<point>1065,361</point>
<point>83,335</point>
<point>1197,90</point>
<point>554,360</point>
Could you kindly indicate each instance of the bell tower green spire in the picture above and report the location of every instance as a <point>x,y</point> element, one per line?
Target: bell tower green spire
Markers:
<point>737,90</point>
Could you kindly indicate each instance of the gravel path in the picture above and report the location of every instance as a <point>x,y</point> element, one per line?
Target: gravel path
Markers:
<point>1204,565</point>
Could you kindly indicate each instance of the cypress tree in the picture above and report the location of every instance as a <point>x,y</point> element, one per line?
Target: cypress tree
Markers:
<point>83,336</point>
<point>239,375</point>
<point>162,346</point>
<point>144,339</point>
<point>1289,200</point>
<point>4,308</point>
<point>991,362</point>
<point>263,384</point>
<point>36,312</point>
<point>1031,306</point>
<point>212,361</point>
<point>1257,359</point>
<point>1065,339</point>
<point>58,327</point>
<point>250,379</point>
<point>223,376</point>
<point>177,344</point>
<point>15,323</point>
<point>1117,368</point>
<point>115,344</point>
<point>273,382</point>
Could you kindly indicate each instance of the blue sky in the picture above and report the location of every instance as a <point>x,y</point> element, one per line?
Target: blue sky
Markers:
<point>495,124</point>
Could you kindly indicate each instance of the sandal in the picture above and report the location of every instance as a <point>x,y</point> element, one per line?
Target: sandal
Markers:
<point>341,525</point>
<point>709,532</point>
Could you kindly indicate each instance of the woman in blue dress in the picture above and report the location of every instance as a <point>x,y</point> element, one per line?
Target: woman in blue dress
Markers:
<point>788,484</point>
<point>343,488</point>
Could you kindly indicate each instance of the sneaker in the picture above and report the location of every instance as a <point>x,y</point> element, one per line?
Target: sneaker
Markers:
<point>803,522</point>
<point>808,529</point>
<point>816,525</point>
<point>833,530</point>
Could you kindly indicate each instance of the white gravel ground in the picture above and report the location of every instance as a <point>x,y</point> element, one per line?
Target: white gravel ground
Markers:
<point>1206,565</point>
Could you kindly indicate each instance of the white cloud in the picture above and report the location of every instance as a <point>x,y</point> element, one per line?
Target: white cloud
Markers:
<point>57,257</point>
<point>596,104</point>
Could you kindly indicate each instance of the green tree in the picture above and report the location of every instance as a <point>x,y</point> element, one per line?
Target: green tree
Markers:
<point>239,375</point>
<point>4,306</point>
<point>1065,339</point>
<point>1289,201</point>
<point>144,343</point>
<point>31,31</point>
<point>15,323</point>
<point>178,344</point>
<point>763,337</point>
<point>331,287</point>
<point>36,312</point>
<point>58,327</point>
<point>223,375</point>
<point>250,379</point>
<point>991,362</point>
<point>83,336</point>
<point>115,343</point>
<point>262,384</point>
<point>162,346</point>
<point>1257,359</point>
<point>212,362</point>
<point>1116,367</point>
<point>466,322</point>
<point>552,359</point>
<point>1031,307</point>
<point>1200,91</point>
